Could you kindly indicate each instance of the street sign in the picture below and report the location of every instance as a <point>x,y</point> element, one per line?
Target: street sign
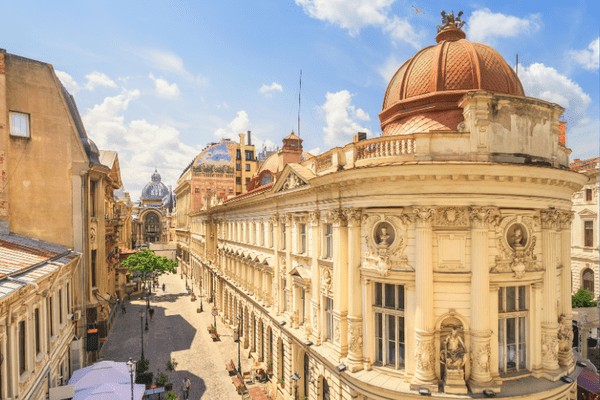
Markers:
<point>215,311</point>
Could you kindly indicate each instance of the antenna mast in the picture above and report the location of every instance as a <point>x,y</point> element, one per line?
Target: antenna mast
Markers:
<point>517,65</point>
<point>299,97</point>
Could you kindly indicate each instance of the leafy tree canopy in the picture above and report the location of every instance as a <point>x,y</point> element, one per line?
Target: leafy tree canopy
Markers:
<point>583,298</point>
<point>146,263</point>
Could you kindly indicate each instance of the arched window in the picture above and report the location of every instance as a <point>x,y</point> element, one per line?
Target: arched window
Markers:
<point>324,389</point>
<point>587,280</point>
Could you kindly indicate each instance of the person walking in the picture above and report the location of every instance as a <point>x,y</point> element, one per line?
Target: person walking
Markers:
<point>187,385</point>
<point>163,287</point>
<point>123,309</point>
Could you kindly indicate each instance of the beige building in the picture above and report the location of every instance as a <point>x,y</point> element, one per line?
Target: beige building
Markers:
<point>56,228</point>
<point>435,258</point>
<point>584,238</point>
<point>152,213</point>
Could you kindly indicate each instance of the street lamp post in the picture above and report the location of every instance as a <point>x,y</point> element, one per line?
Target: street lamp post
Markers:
<point>142,331</point>
<point>238,342</point>
<point>295,378</point>
<point>130,367</point>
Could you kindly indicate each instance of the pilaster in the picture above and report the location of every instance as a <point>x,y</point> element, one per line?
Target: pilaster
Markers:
<point>340,280</point>
<point>481,332</point>
<point>424,321</point>
<point>355,318</point>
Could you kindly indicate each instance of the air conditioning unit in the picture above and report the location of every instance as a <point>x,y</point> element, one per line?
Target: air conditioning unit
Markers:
<point>76,315</point>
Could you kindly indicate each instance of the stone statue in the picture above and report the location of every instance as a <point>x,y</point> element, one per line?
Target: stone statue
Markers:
<point>454,353</point>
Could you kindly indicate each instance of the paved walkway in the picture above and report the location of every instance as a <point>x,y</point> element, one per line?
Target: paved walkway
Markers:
<point>177,331</point>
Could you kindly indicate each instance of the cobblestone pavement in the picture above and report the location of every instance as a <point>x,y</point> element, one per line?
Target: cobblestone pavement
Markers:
<point>177,331</point>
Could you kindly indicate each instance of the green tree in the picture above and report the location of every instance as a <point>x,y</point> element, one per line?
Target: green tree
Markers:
<point>147,264</point>
<point>583,298</point>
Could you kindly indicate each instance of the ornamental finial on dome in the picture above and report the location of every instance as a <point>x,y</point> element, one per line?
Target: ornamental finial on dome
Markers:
<point>155,176</point>
<point>451,27</point>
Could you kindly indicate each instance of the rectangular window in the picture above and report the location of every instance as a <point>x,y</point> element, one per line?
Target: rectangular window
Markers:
<point>238,180</point>
<point>60,307</point>
<point>588,194</point>
<point>19,124</point>
<point>93,268</point>
<point>388,306</point>
<point>271,234</point>
<point>51,316</point>
<point>329,318</point>
<point>302,238</point>
<point>588,233</point>
<point>247,167</point>
<point>93,199</point>
<point>68,298</point>
<point>238,154</point>
<point>303,305</point>
<point>512,328</point>
<point>328,241</point>
<point>249,155</point>
<point>22,350</point>
<point>36,321</point>
<point>261,233</point>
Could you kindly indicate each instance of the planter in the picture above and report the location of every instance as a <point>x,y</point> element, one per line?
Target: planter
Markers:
<point>169,387</point>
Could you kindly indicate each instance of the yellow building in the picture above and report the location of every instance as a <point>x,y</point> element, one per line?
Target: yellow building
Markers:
<point>435,258</point>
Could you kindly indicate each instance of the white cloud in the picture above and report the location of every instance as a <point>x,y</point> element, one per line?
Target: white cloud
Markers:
<point>582,137</point>
<point>170,62</point>
<point>142,145</point>
<point>354,15</point>
<point>400,30</point>
<point>68,81</point>
<point>239,124</point>
<point>342,118</point>
<point>268,89</point>
<point>164,88</point>
<point>548,84</point>
<point>95,79</point>
<point>587,58</point>
<point>484,25</point>
<point>389,68</point>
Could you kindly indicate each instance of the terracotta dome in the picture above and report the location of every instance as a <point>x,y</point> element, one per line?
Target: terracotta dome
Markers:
<point>423,94</point>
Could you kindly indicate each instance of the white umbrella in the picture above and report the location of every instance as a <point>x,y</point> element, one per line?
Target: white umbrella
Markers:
<point>106,380</point>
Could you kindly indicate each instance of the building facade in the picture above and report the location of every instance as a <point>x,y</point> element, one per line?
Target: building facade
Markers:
<point>433,258</point>
<point>152,213</point>
<point>585,229</point>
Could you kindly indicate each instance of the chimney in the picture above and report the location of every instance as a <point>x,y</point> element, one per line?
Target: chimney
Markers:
<point>360,136</point>
<point>249,138</point>
<point>242,139</point>
<point>562,132</point>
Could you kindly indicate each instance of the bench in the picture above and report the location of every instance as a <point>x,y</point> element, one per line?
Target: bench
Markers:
<point>239,384</point>
<point>248,377</point>
<point>230,367</point>
<point>214,336</point>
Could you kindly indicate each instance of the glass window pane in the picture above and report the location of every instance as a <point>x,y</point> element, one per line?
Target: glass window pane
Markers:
<point>511,361</point>
<point>390,296</point>
<point>501,344</point>
<point>511,300</point>
<point>511,337</point>
<point>391,339</point>
<point>501,299</point>
<point>378,290</point>
<point>522,342</point>
<point>400,297</point>
<point>378,337</point>
<point>522,298</point>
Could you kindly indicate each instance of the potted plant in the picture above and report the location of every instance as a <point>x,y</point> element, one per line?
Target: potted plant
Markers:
<point>171,364</point>
<point>161,379</point>
<point>171,396</point>
<point>282,382</point>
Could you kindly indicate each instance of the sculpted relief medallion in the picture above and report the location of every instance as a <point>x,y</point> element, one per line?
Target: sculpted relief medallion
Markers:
<point>516,246</point>
<point>384,243</point>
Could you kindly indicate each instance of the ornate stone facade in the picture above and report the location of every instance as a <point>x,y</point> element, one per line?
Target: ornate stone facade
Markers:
<point>377,249</point>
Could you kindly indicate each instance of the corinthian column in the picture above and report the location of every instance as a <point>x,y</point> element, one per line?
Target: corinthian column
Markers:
<point>340,280</point>
<point>315,290</point>
<point>565,330</point>
<point>550,259</point>
<point>481,357</point>
<point>355,331</point>
<point>424,324</point>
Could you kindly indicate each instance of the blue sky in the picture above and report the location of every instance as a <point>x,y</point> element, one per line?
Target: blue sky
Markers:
<point>158,81</point>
